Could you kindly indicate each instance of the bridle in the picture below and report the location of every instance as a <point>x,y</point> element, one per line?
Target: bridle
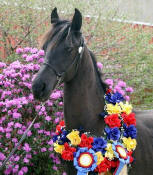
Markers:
<point>74,65</point>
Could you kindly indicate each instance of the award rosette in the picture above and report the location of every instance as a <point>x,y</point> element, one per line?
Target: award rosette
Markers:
<point>120,153</point>
<point>85,160</point>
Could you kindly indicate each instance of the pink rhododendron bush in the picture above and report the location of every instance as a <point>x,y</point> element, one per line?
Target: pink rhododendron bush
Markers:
<point>17,110</point>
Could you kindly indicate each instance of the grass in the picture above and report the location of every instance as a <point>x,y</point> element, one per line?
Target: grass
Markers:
<point>125,50</point>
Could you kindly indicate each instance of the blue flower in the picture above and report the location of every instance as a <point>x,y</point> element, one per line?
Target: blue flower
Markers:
<point>130,131</point>
<point>61,139</point>
<point>114,98</point>
<point>99,144</point>
<point>112,133</point>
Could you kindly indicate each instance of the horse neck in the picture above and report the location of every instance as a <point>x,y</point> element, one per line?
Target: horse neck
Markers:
<point>84,98</point>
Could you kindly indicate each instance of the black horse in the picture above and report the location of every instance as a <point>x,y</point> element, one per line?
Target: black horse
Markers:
<point>68,60</point>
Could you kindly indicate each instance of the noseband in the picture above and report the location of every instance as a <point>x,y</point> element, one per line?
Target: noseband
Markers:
<point>74,65</point>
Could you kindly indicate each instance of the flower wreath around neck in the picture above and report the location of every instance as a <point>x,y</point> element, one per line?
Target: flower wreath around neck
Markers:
<point>101,154</point>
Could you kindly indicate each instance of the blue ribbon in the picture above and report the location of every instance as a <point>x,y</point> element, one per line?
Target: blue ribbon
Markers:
<point>119,169</point>
<point>81,173</point>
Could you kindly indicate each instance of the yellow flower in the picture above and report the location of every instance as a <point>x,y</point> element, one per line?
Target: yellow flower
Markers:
<point>127,108</point>
<point>129,143</point>
<point>74,137</point>
<point>113,109</point>
<point>100,157</point>
<point>109,151</point>
<point>58,148</point>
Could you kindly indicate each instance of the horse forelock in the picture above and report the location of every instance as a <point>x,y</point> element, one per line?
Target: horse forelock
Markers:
<point>57,33</point>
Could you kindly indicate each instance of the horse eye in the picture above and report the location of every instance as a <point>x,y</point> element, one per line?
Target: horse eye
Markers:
<point>69,49</point>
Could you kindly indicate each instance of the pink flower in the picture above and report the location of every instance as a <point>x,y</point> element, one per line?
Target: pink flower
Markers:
<point>8,135</point>
<point>127,98</point>
<point>50,142</point>
<point>64,173</point>
<point>41,53</point>
<point>17,158</point>
<point>17,125</point>
<point>37,125</point>
<point>26,147</point>
<point>24,56</point>
<point>48,118</point>
<point>29,133</point>
<point>50,149</point>
<point>19,50</point>
<point>41,60</point>
<point>129,89</point>
<point>121,83</point>
<point>2,156</point>
<point>24,169</point>
<point>99,65</point>
<point>28,156</point>
<point>109,82</point>
<point>16,115</point>
<point>20,172</point>
<point>25,160</point>
<point>43,149</point>
<point>55,168</point>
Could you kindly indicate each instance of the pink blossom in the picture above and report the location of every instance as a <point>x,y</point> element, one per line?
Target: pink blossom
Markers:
<point>24,56</point>
<point>28,156</point>
<point>17,125</point>
<point>8,135</point>
<point>26,147</point>
<point>64,173</point>
<point>41,60</point>
<point>129,89</point>
<point>27,49</point>
<point>127,98</point>
<point>19,50</point>
<point>16,115</point>
<point>2,156</point>
<point>109,82</point>
<point>29,133</point>
<point>41,53</point>
<point>121,83</point>
<point>37,125</point>
<point>20,172</point>
<point>50,149</point>
<point>48,118</point>
<point>43,149</point>
<point>99,65</point>
<point>24,169</point>
<point>25,160</point>
<point>55,168</point>
<point>17,158</point>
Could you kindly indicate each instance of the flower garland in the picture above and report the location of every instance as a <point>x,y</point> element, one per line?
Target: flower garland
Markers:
<point>101,154</point>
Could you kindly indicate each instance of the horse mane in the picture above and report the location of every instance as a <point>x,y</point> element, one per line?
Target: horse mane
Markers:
<point>99,74</point>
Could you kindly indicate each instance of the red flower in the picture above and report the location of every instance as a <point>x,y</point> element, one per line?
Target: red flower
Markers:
<point>86,141</point>
<point>113,121</point>
<point>129,119</point>
<point>67,154</point>
<point>62,123</point>
<point>108,91</point>
<point>104,166</point>
<point>60,126</point>
<point>131,158</point>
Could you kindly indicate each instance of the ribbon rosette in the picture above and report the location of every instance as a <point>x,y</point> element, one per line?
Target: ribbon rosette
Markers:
<point>120,153</point>
<point>85,160</point>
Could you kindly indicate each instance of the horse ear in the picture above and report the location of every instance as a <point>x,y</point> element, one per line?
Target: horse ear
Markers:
<point>54,16</point>
<point>76,21</point>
